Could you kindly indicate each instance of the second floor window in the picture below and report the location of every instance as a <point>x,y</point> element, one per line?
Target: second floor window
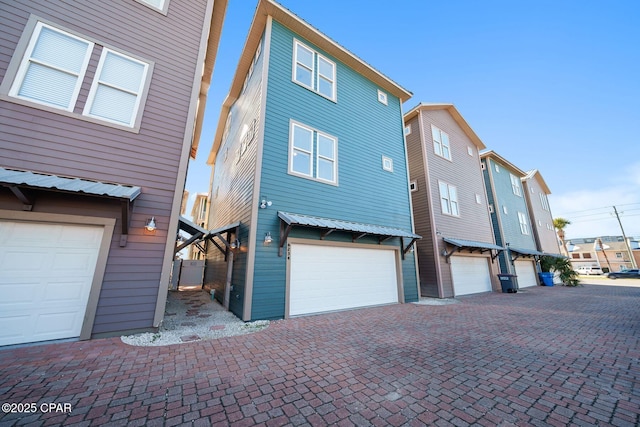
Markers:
<point>52,70</point>
<point>314,71</point>
<point>524,226</point>
<point>313,154</point>
<point>449,199</point>
<point>544,201</point>
<point>441,143</point>
<point>515,185</point>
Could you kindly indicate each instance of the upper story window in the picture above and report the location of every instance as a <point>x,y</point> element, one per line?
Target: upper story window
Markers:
<point>382,97</point>
<point>314,71</point>
<point>449,199</point>
<point>524,226</point>
<point>115,92</point>
<point>413,186</point>
<point>407,129</point>
<point>52,70</point>
<point>160,5</point>
<point>515,185</point>
<point>387,164</point>
<point>544,201</point>
<point>441,143</point>
<point>313,154</point>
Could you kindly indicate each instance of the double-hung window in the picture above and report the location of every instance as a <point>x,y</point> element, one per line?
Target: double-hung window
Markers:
<point>449,199</point>
<point>524,226</point>
<point>313,154</point>
<point>52,71</point>
<point>314,71</point>
<point>544,201</point>
<point>515,185</point>
<point>53,68</point>
<point>115,92</point>
<point>441,143</point>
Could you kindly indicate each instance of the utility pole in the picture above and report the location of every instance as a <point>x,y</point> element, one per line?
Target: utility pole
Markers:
<point>599,241</point>
<point>626,242</point>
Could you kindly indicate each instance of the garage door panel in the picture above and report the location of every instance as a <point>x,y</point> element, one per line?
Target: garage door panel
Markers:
<point>326,278</point>
<point>470,275</point>
<point>526,272</point>
<point>45,280</point>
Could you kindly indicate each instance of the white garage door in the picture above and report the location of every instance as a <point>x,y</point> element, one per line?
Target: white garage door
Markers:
<point>526,273</point>
<point>46,271</point>
<point>326,278</point>
<point>470,275</point>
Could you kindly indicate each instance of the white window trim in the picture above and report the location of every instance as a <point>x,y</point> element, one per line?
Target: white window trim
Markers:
<point>449,200</point>
<point>315,71</point>
<point>96,83</point>
<point>438,146</point>
<point>382,97</point>
<point>387,164</point>
<point>26,61</point>
<point>164,5</point>
<point>478,199</point>
<point>524,226</point>
<point>407,129</point>
<point>313,158</point>
<point>413,186</point>
<point>515,185</point>
<point>544,201</point>
<point>497,167</point>
<point>13,75</point>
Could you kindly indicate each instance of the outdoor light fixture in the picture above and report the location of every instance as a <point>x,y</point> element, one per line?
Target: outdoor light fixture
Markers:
<point>235,244</point>
<point>267,239</point>
<point>151,224</point>
<point>264,203</point>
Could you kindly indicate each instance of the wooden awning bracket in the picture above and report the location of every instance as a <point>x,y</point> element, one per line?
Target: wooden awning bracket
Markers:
<point>24,196</point>
<point>284,233</point>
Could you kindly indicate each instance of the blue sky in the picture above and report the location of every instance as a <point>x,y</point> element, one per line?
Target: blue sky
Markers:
<point>549,85</point>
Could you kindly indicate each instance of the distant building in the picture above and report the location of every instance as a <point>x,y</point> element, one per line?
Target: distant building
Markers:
<point>607,252</point>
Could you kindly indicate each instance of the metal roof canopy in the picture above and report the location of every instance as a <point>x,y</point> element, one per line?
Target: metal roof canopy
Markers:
<point>21,182</point>
<point>524,253</point>
<point>358,230</point>
<point>197,233</point>
<point>471,245</point>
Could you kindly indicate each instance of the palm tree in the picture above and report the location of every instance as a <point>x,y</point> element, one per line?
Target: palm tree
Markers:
<point>560,224</point>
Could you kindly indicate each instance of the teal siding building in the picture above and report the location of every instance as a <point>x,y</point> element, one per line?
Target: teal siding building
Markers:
<point>510,218</point>
<point>309,158</point>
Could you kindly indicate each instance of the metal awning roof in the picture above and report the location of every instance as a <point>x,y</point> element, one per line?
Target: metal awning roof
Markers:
<point>470,245</point>
<point>461,243</point>
<point>358,230</point>
<point>335,224</point>
<point>36,180</point>
<point>530,252</point>
<point>190,227</point>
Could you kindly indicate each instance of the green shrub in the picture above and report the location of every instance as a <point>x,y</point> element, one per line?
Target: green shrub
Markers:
<point>563,267</point>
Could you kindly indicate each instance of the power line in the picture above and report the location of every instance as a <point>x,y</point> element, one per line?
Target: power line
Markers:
<point>604,207</point>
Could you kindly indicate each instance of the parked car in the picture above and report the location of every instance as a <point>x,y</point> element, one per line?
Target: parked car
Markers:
<point>626,274</point>
<point>588,271</point>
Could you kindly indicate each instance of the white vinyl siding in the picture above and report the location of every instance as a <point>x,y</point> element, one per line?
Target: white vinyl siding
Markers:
<point>524,227</point>
<point>449,199</point>
<point>314,71</point>
<point>515,185</point>
<point>53,68</point>
<point>312,154</point>
<point>441,143</point>
<point>115,92</point>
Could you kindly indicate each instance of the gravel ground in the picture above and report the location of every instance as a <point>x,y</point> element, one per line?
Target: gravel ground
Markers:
<point>191,315</point>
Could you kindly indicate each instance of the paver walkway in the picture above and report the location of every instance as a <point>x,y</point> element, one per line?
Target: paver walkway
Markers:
<point>548,356</point>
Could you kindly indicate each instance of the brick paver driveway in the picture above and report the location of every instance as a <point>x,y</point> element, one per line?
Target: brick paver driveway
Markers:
<point>547,356</point>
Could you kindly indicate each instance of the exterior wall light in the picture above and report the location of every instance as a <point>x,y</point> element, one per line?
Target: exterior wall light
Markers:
<point>235,244</point>
<point>264,203</point>
<point>267,239</point>
<point>150,226</point>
